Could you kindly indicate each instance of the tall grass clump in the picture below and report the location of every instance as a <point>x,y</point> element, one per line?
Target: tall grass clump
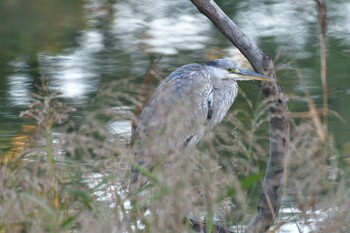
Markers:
<point>32,196</point>
<point>316,181</point>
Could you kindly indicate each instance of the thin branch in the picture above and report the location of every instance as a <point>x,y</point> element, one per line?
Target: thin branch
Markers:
<point>322,14</point>
<point>232,32</point>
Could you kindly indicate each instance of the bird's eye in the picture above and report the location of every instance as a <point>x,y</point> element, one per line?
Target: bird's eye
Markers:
<point>230,70</point>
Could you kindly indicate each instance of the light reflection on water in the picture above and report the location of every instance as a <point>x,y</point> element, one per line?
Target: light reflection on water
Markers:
<point>75,74</point>
<point>286,23</point>
<point>19,89</point>
<point>158,29</point>
<point>339,26</point>
<point>169,35</point>
<point>19,82</point>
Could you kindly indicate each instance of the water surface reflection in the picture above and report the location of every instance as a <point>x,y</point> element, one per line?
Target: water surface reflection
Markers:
<point>75,73</point>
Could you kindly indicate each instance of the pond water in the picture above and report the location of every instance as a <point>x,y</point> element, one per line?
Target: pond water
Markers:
<point>82,45</point>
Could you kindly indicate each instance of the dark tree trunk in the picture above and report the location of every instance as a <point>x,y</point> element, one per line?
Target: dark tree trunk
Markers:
<point>270,198</point>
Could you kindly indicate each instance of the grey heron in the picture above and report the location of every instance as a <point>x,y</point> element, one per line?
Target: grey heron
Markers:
<point>190,101</point>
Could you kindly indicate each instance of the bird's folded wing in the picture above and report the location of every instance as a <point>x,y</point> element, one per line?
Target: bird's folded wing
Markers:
<point>176,113</point>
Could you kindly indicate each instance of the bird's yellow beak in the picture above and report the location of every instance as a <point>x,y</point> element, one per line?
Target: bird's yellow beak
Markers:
<point>249,75</point>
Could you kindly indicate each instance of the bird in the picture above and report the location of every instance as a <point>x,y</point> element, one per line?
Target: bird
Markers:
<point>192,100</point>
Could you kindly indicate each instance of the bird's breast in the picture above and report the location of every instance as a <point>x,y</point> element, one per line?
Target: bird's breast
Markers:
<point>224,94</point>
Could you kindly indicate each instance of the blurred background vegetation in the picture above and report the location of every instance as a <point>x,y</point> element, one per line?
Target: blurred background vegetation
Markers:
<point>65,164</point>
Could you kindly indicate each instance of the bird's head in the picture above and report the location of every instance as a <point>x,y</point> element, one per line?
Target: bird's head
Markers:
<point>226,69</point>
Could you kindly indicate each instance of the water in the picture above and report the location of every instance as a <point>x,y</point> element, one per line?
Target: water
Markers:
<point>82,45</point>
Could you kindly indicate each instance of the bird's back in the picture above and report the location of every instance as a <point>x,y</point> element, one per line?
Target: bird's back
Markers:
<point>176,113</point>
